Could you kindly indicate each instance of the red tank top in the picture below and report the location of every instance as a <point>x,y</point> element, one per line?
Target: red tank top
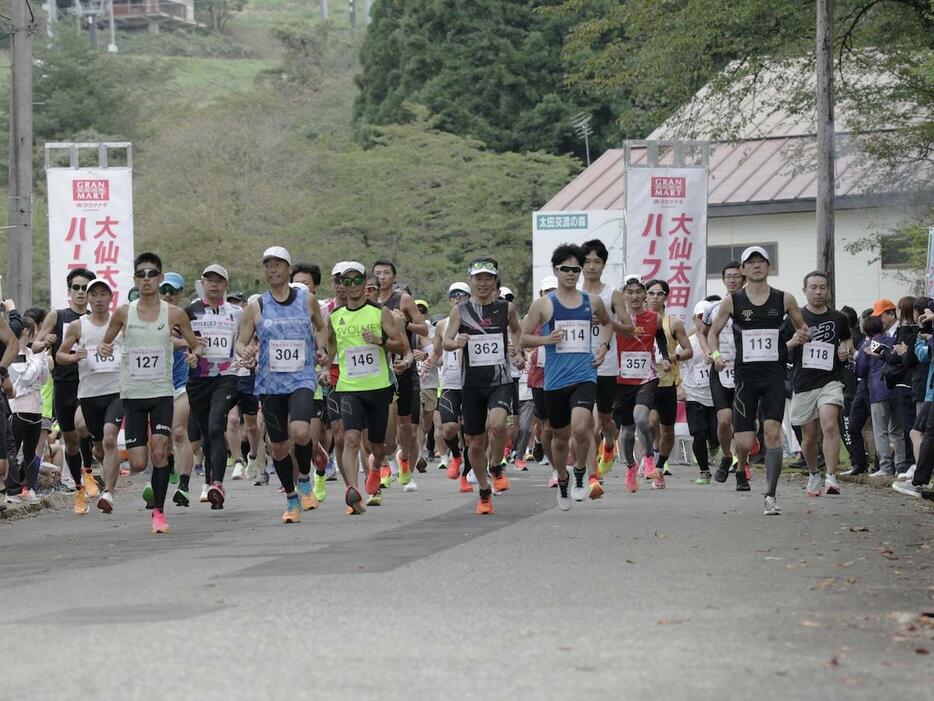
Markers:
<point>637,354</point>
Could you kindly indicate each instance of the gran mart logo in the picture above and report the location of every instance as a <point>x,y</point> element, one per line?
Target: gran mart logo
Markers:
<point>669,188</point>
<point>90,190</point>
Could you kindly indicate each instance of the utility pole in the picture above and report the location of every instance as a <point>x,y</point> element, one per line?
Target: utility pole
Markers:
<point>112,46</point>
<point>825,142</point>
<point>324,10</point>
<point>353,15</point>
<point>19,217</point>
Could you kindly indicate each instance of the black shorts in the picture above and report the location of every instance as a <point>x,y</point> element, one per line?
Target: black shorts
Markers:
<point>749,394</point>
<point>145,415</point>
<point>627,396</point>
<point>65,404</point>
<point>921,417</point>
<point>332,406</point>
<point>560,403</point>
<point>514,409</point>
<point>476,402</point>
<point>246,400</point>
<point>666,404</point>
<point>449,406</point>
<point>98,411</point>
<point>368,410</point>
<point>722,396</point>
<point>606,393</point>
<point>408,395</point>
<point>702,420</point>
<point>281,409</point>
<point>194,430</point>
<point>538,403</point>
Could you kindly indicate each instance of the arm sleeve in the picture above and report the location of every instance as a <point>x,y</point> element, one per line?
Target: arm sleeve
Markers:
<point>662,342</point>
<point>16,322</point>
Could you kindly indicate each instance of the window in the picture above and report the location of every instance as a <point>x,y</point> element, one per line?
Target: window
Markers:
<point>718,256</point>
<point>895,250</point>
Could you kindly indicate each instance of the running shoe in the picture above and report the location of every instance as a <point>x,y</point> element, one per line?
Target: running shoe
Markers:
<point>471,477</point>
<point>123,472</point>
<point>421,464</point>
<point>771,507</point>
<point>466,486</point>
<point>173,476</point>
<point>485,503</point>
<point>703,479</point>
<point>204,494</point>
<point>649,464</point>
<point>250,467</point>
<point>216,496</point>
<point>405,473</point>
<point>607,458</point>
<point>106,502</point>
<point>308,501</point>
<point>454,469</point>
<point>354,501</point>
<point>734,461</point>
<point>293,513</point>
<point>410,486</point>
<point>906,488</point>
<point>148,495</point>
<point>538,451</point>
<point>443,465</point>
<point>594,488</point>
<point>813,489</point>
<point>665,471</point>
<point>90,484</point>
<point>373,482</point>
<point>578,491</point>
<point>159,524</point>
<point>520,465</point>
<point>181,498</point>
<point>198,469</point>
<point>831,486</point>
<point>632,480</point>
<point>330,471</point>
<point>238,470</point>
<point>375,499</point>
<point>321,459</point>
<point>658,482</point>
<point>564,501</point>
<point>13,499</point>
<point>742,481</point>
<point>320,489</point>
<point>28,496</point>
<point>385,476</point>
<point>723,471</point>
<point>907,475</point>
<point>553,481</point>
<point>500,481</point>
<point>262,478</point>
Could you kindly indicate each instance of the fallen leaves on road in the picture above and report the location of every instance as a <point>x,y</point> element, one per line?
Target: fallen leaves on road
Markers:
<point>808,623</point>
<point>824,584</point>
<point>670,621</point>
<point>921,651</point>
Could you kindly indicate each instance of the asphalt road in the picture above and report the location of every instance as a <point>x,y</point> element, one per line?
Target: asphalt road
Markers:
<point>687,593</point>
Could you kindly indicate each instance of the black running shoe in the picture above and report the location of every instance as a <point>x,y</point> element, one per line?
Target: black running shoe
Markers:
<point>742,484</point>
<point>538,452</point>
<point>723,472</point>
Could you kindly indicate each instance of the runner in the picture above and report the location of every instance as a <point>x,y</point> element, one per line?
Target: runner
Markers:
<point>98,385</point>
<point>212,384</point>
<point>65,377</point>
<point>701,413</point>
<point>638,377</point>
<point>480,325</point>
<point>146,375</point>
<point>758,313</point>
<point>359,336</point>
<point>573,356</point>
<point>817,380</point>
<point>723,382</point>
<point>666,396</point>
<point>537,386</point>
<point>428,381</point>
<point>285,319</point>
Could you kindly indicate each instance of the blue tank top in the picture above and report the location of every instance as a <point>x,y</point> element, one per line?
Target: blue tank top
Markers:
<point>571,361</point>
<point>286,345</point>
<point>179,369</point>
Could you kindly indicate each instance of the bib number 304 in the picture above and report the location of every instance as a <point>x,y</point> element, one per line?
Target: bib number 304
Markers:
<point>286,356</point>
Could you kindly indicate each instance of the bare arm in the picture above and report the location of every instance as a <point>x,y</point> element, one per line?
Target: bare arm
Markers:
<point>623,324</point>
<point>452,339</point>
<point>794,313</point>
<point>64,356</point>
<point>178,317</point>
<point>681,336</point>
<point>332,343</point>
<point>719,323</point>
<point>247,330</point>
<point>395,338</point>
<point>439,342</point>
<point>45,338</point>
<point>11,342</point>
<point>417,324</point>
<point>114,326</point>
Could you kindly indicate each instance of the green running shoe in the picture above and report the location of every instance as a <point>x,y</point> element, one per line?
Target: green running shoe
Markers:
<point>703,479</point>
<point>181,497</point>
<point>321,487</point>
<point>375,499</point>
<point>148,495</point>
<point>173,477</point>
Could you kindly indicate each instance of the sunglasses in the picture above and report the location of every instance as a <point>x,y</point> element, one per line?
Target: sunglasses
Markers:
<point>79,288</point>
<point>458,294</point>
<point>483,266</point>
<point>147,272</point>
<point>569,268</point>
<point>169,290</point>
<point>353,281</point>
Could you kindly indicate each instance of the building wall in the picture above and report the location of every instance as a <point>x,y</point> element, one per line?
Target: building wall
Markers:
<point>859,281</point>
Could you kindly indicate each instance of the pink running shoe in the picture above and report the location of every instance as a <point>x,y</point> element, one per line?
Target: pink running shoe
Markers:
<point>553,482</point>
<point>650,471</point>
<point>632,480</point>
<point>159,524</point>
<point>658,483</point>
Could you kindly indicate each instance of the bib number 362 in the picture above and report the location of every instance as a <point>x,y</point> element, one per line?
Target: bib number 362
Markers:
<point>286,356</point>
<point>485,350</point>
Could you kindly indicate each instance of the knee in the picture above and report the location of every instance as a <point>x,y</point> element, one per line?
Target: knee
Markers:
<point>300,432</point>
<point>110,441</point>
<point>279,451</point>
<point>180,434</point>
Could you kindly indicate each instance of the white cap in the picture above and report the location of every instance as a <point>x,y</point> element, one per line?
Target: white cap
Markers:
<point>549,282</point>
<point>503,291</point>
<point>253,298</point>
<point>100,281</point>
<point>277,252</point>
<point>339,268</point>
<point>633,278</point>
<point>459,287</point>
<point>751,251</point>
<point>353,265</point>
<point>701,307</point>
<point>217,270</point>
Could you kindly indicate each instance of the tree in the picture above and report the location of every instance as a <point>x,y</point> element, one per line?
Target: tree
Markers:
<point>217,13</point>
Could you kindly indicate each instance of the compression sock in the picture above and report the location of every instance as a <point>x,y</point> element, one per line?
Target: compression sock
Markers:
<point>160,485</point>
<point>454,446</point>
<point>87,452</point>
<point>244,448</point>
<point>303,454</point>
<point>628,434</point>
<point>662,459</point>
<point>284,471</point>
<point>773,469</point>
<point>700,453</point>
<point>183,482</point>
<point>74,467</point>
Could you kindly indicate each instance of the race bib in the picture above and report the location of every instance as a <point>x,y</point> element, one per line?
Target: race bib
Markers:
<point>727,377</point>
<point>540,357</point>
<point>362,361</point>
<point>635,365</point>
<point>218,340</point>
<point>817,355</point>
<point>700,374</point>
<point>286,355</point>
<point>96,363</point>
<point>575,336</point>
<point>146,363</point>
<point>485,350</point>
<point>760,345</point>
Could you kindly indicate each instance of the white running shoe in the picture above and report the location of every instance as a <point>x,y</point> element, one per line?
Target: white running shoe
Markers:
<point>578,493</point>
<point>906,488</point>
<point>771,507</point>
<point>29,497</point>
<point>238,470</point>
<point>907,475</point>
<point>471,477</point>
<point>410,487</point>
<point>204,494</point>
<point>880,473</point>
<point>830,485</point>
<point>564,501</point>
<point>105,502</point>
<point>813,488</point>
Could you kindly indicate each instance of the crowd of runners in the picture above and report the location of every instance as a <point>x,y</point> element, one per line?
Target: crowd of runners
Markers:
<point>367,383</point>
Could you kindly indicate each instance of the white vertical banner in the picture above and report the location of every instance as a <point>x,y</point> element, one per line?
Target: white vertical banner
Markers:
<point>90,226</point>
<point>666,211</point>
<point>929,276</point>
<point>552,228</point>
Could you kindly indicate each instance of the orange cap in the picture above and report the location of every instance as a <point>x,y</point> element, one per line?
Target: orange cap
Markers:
<point>883,305</point>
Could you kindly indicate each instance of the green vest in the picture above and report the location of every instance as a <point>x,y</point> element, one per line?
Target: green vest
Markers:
<point>363,366</point>
<point>146,367</point>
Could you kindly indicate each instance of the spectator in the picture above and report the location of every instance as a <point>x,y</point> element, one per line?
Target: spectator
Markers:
<point>870,363</point>
<point>899,371</point>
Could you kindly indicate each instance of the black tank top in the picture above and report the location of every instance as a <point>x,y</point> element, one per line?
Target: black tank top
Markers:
<point>749,317</point>
<point>64,373</point>
<point>394,301</point>
<point>491,320</point>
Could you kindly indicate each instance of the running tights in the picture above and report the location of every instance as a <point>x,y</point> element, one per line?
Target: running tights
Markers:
<point>644,428</point>
<point>303,455</point>
<point>700,452</point>
<point>773,469</point>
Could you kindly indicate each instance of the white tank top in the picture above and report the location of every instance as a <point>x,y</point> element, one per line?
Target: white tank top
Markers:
<point>98,376</point>
<point>451,369</point>
<point>610,365</point>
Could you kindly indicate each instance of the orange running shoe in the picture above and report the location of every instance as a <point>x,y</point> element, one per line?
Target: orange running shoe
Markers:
<point>372,481</point>
<point>90,484</point>
<point>454,469</point>
<point>594,488</point>
<point>293,514</point>
<point>485,503</point>
<point>521,466</point>
<point>309,501</point>
<point>465,485</point>
<point>500,481</point>
<point>81,502</point>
